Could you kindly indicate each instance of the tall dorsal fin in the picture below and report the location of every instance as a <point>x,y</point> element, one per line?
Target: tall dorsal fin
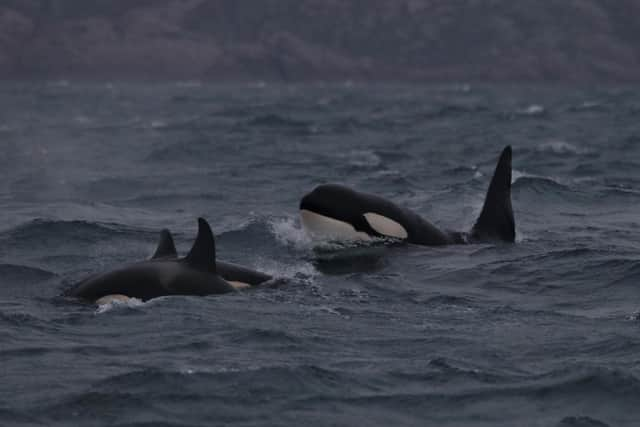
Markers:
<point>203,253</point>
<point>496,219</point>
<point>166,247</point>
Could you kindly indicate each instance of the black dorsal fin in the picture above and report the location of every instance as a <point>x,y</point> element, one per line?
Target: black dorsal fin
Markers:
<point>496,219</point>
<point>166,247</point>
<point>203,253</point>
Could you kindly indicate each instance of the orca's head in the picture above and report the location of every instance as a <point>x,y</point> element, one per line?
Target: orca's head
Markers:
<point>331,200</point>
<point>338,212</point>
<point>334,201</point>
<point>334,211</point>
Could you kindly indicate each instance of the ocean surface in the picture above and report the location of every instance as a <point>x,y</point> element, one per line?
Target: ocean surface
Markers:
<point>544,332</point>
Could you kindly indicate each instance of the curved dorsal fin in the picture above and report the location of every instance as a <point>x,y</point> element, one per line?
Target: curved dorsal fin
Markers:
<point>203,253</point>
<point>496,219</point>
<point>166,247</point>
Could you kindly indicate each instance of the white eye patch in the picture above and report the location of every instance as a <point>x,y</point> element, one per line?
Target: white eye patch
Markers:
<point>386,226</point>
<point>323,226</point>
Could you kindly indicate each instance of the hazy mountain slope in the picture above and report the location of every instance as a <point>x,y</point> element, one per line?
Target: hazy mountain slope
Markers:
<point>569,40</point>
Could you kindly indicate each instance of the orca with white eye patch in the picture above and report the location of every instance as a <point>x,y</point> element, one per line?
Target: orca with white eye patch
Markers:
<point>340,213</point>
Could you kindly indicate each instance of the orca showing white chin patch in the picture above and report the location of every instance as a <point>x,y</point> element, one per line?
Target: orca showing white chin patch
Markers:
<point>337,212</point>
<point>195,274</point>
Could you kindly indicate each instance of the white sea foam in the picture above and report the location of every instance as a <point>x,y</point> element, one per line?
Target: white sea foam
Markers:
<point>82,120</point>
<point>590,104</point>
<point>116,304</point>
<point>586,106</point>
<point>517,174</point>
<point>381,173</point>
<point>297,270</point>
<point>532,110</point>
<point>634,316</point>
<point>362,158</point>
<point>158,124</point>
<point>289,232</point>
<point>584,180</point>
<point>559,146</point>
<point>325,309</point>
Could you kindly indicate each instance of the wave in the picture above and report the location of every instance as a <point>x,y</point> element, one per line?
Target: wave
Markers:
<point>189,84</point>
<point>188,123</point>
<point>59,83</point>
<point>115,304</point>
<point>584,381</point>
<point>447,370</point>
<point>561,147</point>
<point>588,106</point>
<point>19,318</point>
<point>536,184</point>
<point>532,110</point>
<point>160,199</point>
<point>373,122</point>
<point>259,336</point>
<point>283,231</point>
<point>141,391</point>
<point>14,417</point>
<point>362,159</point>
<point>43,230</point>
<point>451,110</point>
<point>10,273</point>
<point>278,121</point>
<point>582,389</point>
<point>620,190</point>
<point>282,272</point>
<point>262,242</point>
<point>191,151</point>
<point>441,301</point>
<point>581,421</point>
<point>227,388</point>
<point>580,261</point>
<point>289,232</point>
<point>621,272</point>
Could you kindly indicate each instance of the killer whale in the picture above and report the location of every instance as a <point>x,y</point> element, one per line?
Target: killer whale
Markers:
<point>195,274</point>
<point>238,276</point>
<point>339,212</point>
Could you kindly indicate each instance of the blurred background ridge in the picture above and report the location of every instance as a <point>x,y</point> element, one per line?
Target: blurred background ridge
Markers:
<point>322,40</point>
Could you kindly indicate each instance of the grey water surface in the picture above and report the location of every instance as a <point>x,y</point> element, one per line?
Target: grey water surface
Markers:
<point>544,332</point>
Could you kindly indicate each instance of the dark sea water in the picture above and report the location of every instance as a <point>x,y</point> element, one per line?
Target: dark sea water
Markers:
<point>545,332</point>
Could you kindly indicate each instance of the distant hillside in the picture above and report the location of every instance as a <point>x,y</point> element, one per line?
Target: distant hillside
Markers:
<point>301,40</point>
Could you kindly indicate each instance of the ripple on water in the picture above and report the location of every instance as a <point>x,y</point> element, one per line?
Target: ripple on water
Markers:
<point>540,332</point>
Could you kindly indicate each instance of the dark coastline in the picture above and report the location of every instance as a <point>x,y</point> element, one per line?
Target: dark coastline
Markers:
<point>312,40</point>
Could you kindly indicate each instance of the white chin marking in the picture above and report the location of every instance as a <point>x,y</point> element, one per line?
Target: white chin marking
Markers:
<point>321,226</point>
<point>239,285</point>
<point>107,299</point>
<point>386,226</point>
